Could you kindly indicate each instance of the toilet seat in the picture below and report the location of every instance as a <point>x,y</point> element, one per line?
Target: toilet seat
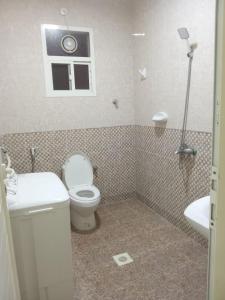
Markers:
<point>84,195</point>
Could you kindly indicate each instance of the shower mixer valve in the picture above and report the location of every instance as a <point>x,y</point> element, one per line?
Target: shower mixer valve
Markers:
<point>186,150</point>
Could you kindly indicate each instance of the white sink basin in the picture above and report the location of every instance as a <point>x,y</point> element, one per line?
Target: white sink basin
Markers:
<point>197,214</point>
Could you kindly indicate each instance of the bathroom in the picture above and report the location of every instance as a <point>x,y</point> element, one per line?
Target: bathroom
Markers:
<point>123,116</point>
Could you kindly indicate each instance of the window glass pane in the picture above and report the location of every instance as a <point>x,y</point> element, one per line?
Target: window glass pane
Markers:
<point>81,74</point>
<point>54,38</point>
<point>60,77</point>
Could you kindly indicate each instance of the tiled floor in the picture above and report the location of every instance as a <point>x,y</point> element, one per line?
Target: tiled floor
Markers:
<point>167,265</point>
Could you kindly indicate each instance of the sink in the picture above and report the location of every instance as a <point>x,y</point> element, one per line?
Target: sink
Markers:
<point>197,214</point>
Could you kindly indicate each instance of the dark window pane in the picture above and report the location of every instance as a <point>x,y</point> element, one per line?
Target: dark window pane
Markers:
<point>81,73</point>
<point>53,42</point>
<point>60,76</point>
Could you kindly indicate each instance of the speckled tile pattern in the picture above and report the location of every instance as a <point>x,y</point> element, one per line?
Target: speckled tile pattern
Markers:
<point>168,265</point>
<point>111,149</point>
<point>166,183</point>
<point>130,159</point>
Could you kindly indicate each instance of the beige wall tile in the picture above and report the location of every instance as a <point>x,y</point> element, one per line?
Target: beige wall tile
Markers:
<point>163,53</point>
<point>166,183</point>
<point>110,149</point>
<point>24,107</point>
<point>130,159</point>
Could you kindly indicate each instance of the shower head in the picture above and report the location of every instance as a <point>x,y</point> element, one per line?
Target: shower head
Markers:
<point>184,35</point>
<point>183,32</point>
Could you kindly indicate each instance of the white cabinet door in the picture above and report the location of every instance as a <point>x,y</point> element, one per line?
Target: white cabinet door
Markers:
<point>44,254</point>
<point>53,253</point>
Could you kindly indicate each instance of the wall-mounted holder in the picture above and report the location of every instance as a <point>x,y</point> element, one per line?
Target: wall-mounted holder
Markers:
<point>160,117</point>
<point>63,11</point>
<point>143,73</point>
<point>115,102</point>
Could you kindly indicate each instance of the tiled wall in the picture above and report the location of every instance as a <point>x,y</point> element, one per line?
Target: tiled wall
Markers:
<point>163,54</point>
<point>165,182</point>
<point>110,149</point>
<point>23,91</point>
<point>130,159</point>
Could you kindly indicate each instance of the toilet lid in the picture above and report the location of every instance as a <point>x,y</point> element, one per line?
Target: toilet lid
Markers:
<point>78,171</point>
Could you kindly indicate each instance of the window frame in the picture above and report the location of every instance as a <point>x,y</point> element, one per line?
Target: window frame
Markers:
<point>48,60</point>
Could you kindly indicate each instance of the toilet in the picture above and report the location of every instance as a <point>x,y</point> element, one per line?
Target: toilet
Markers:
<point>77,175</point>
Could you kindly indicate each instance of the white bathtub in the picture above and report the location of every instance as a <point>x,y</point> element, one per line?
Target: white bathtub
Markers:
<point>197,214</point>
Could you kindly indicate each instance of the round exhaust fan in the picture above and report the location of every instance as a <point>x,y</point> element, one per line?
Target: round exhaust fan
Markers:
<point>69,44</point>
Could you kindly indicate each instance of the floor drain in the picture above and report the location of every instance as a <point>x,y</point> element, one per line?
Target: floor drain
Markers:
<point>122,259</point>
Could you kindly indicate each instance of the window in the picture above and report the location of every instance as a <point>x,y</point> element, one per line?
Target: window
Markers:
<point>69,64</point>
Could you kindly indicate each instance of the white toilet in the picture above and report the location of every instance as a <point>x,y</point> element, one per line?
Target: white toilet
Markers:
<point>77,175</point>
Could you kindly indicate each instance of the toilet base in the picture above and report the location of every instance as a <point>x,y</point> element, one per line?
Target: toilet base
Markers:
<point>83,223</point>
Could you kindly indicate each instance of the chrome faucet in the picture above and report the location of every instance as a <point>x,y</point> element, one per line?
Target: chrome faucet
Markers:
<point>186,150</point>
